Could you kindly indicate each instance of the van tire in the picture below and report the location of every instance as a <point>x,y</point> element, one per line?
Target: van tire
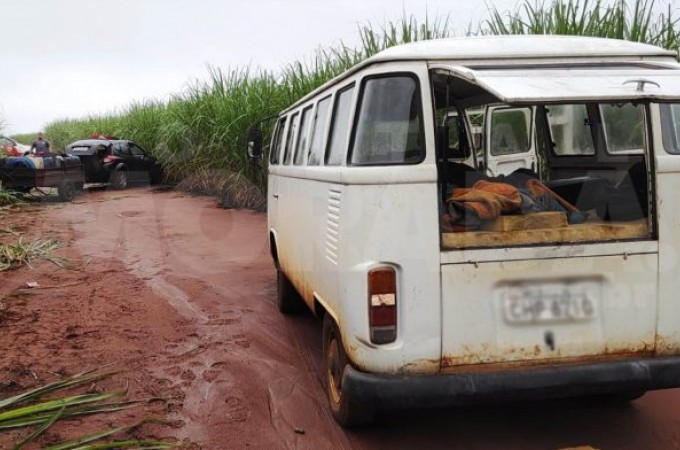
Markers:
<point>346,411</point>
<point>287,298</point>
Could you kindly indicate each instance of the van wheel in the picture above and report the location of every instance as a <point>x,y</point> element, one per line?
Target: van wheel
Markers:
<point>346,411</point>
<point>67,191</point>
<point>287,298</point>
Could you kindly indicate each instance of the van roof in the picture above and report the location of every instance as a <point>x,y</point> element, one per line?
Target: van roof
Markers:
<point>509,48</point>
<point>518,47</point>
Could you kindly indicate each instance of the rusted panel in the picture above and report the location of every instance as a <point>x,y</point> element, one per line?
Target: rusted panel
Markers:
<point>519,365</point>
<point>417,367</point>
<point>517,358</point>
<point>667,346</point>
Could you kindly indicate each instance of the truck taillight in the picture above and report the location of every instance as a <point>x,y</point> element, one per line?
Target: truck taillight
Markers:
<point>382,304</point>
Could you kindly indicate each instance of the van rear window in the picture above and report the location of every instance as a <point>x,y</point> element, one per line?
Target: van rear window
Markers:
<point>389,128</point>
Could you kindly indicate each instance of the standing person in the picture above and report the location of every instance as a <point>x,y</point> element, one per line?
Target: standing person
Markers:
<point>40,146</point>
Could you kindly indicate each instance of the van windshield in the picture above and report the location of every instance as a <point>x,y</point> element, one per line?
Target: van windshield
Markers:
<point>548,174</point>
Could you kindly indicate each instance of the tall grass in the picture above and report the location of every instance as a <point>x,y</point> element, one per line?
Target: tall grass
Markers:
<point>202,129</point>
<point>633,21</point>
<point>25,138</point>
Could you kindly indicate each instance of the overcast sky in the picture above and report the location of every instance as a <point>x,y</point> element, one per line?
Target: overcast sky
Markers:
<point>68,58</point>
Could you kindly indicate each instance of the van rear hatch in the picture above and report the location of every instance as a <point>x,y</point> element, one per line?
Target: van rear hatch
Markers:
<point>535,308</point>
<point>528,86</point>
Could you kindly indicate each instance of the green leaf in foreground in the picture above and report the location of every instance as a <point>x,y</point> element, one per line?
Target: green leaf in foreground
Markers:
<point>73,381</point>
<point>77,444</point>
<point>17,411</point>
<point>41,429</point>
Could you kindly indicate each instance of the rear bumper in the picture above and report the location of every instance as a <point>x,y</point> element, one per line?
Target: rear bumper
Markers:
<point>388,391</point>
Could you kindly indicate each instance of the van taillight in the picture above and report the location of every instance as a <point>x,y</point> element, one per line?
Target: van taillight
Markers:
<point>382,302</point>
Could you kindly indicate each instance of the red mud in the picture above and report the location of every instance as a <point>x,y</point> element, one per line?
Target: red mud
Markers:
<point>180,293</point>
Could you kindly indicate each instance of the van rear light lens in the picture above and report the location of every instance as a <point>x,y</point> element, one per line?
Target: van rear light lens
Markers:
<point>382,305</point>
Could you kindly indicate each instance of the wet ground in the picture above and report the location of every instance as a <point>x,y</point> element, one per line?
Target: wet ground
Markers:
<point>204,324</point>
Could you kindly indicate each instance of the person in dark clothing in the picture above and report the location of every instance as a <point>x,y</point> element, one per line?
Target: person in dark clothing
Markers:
<point>40,146</point>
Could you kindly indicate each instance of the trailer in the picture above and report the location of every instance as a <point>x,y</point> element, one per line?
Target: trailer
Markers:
<point>55,171</point>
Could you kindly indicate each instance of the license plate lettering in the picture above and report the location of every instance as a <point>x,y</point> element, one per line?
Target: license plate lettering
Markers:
<point>540,305</point>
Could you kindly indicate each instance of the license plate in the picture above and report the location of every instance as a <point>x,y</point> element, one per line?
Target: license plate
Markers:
<point>545,304</point>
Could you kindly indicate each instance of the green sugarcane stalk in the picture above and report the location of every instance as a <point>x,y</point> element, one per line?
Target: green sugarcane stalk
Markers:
<point>69,413</point>
<point>38,392</point>
<point>51,405</point>
<point>41,429</point>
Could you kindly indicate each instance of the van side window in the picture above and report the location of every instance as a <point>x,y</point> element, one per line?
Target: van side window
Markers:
<point>570,129</point>
<point>288,151</point>
<point>319,132</point>
<point>338,138</point>
<point>670,127</point>
<point>275,151</point>
<point>623,127</point>
<point>302,137</point>
<point>510,130</point>
<point>389,128</point>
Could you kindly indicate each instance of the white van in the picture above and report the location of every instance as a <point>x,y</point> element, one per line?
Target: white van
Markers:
<point>543,265</point>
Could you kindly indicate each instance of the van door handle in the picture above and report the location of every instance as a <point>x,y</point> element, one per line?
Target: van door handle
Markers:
<point>275,195</point>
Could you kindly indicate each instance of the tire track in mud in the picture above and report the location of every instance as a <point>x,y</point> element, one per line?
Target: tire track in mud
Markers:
<point>244,366</point>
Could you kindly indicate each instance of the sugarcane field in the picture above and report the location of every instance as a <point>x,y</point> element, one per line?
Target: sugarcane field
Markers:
<point>427,224</point>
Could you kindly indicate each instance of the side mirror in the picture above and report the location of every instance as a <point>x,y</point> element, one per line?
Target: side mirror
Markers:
<point>254,142</point>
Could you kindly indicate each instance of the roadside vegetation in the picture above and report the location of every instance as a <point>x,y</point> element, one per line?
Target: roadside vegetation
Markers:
<point>199,134</point>
<point>20,253</point>
<point>9,198</point>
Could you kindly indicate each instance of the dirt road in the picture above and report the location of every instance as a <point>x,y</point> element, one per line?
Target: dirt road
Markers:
<point>198,290</point>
